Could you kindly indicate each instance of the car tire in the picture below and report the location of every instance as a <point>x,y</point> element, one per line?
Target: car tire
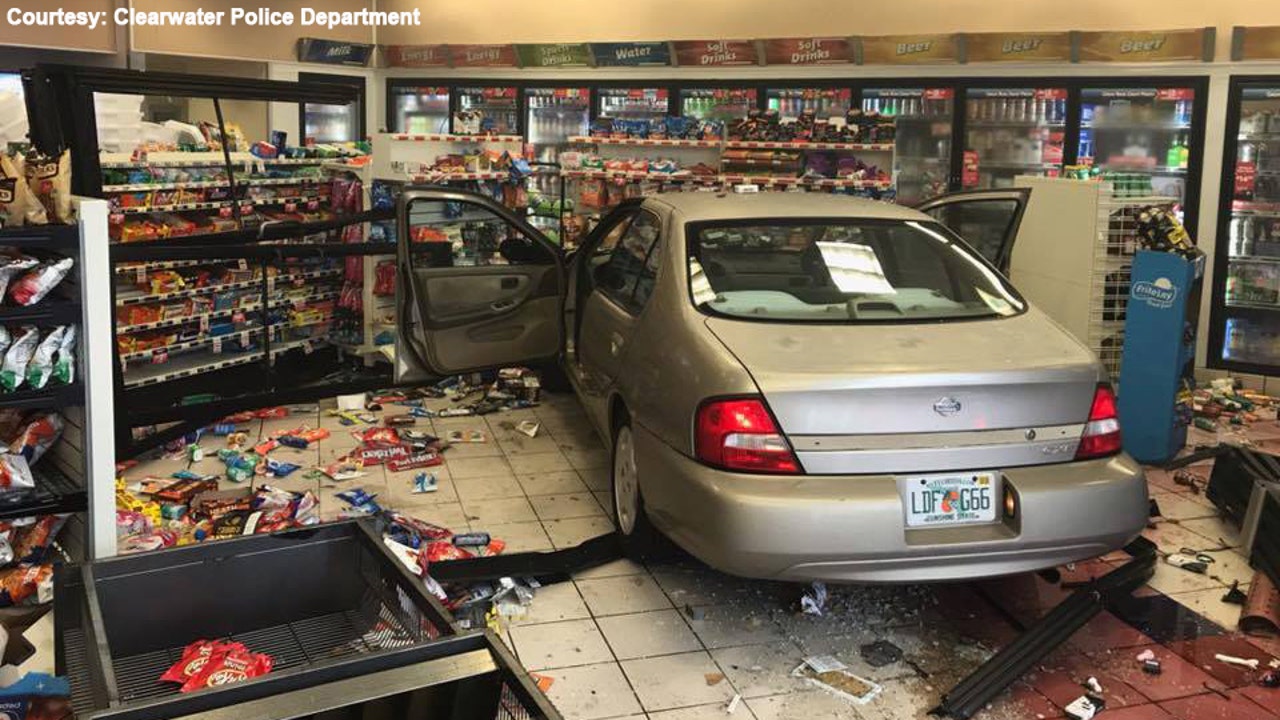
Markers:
<point>640,539</point>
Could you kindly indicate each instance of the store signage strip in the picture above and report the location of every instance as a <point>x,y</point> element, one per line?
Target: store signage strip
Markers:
<point>554,55</point>
<point>333,52</point>
<point>1255,43</point>
<point>415,56</point>
<point>1017,47</point>
<point>1145,46</point>
<point>908,49</point>
<point>631,54</point>
<point>715,53</point>
<point>483,55</point>
<point>808,51</point>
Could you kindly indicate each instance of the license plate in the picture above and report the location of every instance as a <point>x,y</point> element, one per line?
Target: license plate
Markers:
<point>958,499</point>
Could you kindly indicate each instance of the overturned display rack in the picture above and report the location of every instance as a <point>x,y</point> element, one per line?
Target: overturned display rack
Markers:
<point>355,628</point>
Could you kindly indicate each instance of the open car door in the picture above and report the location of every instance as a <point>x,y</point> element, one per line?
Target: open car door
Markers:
<point>987,219</point>
<point>477,287</point>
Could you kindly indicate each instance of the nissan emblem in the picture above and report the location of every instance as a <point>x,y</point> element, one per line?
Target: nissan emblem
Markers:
<point>947,406</point>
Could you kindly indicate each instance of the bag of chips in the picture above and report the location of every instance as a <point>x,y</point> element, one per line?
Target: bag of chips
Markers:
<point>11,264</point>
<point>40,369</point>
<point>50,181</point>
<point>32,543</point>
<point>194,658</point>
<point>64,367</point>
<point>37,436</point>
<point>230,665</point>
<point>24,582</point>
<point>32,287</point>
<point>18,205</point>
<point>14,368</point>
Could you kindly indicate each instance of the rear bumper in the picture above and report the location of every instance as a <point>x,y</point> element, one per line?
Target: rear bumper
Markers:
<point>852,528</point>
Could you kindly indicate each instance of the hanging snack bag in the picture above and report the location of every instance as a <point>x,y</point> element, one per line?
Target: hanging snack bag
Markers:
<point>37,283</point>
<point>18,205</point>
<point>21,583</point>
<point>14,369</point>
<point>15,473</point>
<point>40,433</point>
<point>64,367</point>
<point>33,542</point>
<point>40,369</point>
<point>50,180</point>
<point>12,265</point>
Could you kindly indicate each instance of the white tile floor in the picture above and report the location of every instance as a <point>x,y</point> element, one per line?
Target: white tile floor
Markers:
<point>622,641</point>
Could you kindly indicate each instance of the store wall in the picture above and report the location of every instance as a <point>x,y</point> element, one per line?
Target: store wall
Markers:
<point>102,39</point>
<point>499,21</point>
<point>240,41</point>
<point>250,115</point>
<point>284,116</point>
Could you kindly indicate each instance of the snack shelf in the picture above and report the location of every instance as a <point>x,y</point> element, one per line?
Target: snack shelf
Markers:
<point>764,180</point>
<point>439,177</point>
<point>208,340</point>
<point>181,207</point>
<point>281,348</point>
<point>186,366</point>
<point>219,314</point>
<point>204,184</point>
<point>52,311</point>
<point>54,493</point>
<point>798,145</point>
<point>403,137</point>
<point>141,297</point>
<point>115,161</point>
<point>646,142</point>
<point>132,269</point>
<point>47,396</point>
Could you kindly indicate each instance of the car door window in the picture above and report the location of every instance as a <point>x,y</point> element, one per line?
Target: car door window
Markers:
<point>619,277</point>
<point>984,224</point>
<point>460,234</point>
<point>601,252</point>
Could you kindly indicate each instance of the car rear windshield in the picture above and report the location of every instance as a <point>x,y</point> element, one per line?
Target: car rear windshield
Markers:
<point>842,271</point>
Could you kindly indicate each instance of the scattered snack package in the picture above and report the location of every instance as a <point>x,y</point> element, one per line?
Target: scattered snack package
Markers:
<point>828,673</point>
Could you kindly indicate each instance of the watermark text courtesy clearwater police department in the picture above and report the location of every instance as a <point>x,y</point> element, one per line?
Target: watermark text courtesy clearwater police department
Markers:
<point>265,17</point>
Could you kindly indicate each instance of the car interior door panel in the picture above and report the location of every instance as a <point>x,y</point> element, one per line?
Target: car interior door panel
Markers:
<point>498,299</point>
<point>987,219</point>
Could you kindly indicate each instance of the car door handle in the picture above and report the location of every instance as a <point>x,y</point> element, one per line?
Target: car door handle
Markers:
<point>615,343</point>
<point>502,305</point>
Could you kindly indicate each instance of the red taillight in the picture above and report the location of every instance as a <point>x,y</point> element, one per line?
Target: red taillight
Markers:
<point>1101,435</point>
<point>740,435</point>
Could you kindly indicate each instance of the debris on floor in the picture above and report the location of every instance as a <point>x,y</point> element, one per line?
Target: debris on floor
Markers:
<point>1235,596</point>
<point>880,653</point>
<point>1224,401</point>
<point>1251,663</point>
<point>814,599</point>
<point>830,674</point>
<point>1085,707</point>
<point>1261,613</point>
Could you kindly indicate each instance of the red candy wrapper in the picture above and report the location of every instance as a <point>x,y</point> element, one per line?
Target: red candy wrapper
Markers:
<point>378,437</point>
<point>194,657</point>
<point>229,665</point>
<point>413,462</point>
<point>272,413</point>
<point>370,456</point>
<point>441,551</point>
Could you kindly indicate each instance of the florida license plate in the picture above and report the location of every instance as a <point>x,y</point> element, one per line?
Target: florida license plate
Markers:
<point>956,499</point>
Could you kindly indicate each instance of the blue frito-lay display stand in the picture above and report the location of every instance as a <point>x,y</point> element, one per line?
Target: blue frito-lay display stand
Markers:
<point>1159,353</point>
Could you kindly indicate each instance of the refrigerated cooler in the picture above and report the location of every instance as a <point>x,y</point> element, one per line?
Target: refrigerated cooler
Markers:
<point>824,103</point>
<point>724,104</point>
<point>419,109</point>
<point>486,109</point>
<point>1244,333</point>
<point>1143,134</point>
<point>333,123</point>
<point>632,103</point>
<point>552,116</point>
<point>922,144</point>
<point>1014,131</point>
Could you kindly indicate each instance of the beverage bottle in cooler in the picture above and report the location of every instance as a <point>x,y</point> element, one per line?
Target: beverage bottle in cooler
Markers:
<point>1184,153</point>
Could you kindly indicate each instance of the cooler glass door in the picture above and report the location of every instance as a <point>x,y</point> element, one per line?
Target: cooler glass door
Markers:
<point>1014,131</point>
<point>922,142</point>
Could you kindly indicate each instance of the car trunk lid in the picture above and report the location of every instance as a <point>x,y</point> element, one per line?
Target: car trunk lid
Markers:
<point>920,397</point>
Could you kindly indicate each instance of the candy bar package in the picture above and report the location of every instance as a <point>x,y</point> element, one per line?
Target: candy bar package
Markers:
<point>194,657</point>
<point>50,181</point>
<point>32,287</point>
<point>37,436</point>
<point>18,205</point>
<point>64,366</point>
<point>40,369</point>
<point>14,368</point>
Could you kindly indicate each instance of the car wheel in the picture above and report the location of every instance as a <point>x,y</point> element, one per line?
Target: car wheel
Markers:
<point>639,538</point>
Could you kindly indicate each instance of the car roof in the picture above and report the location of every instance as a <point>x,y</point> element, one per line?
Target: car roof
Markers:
<point>700,206</point>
